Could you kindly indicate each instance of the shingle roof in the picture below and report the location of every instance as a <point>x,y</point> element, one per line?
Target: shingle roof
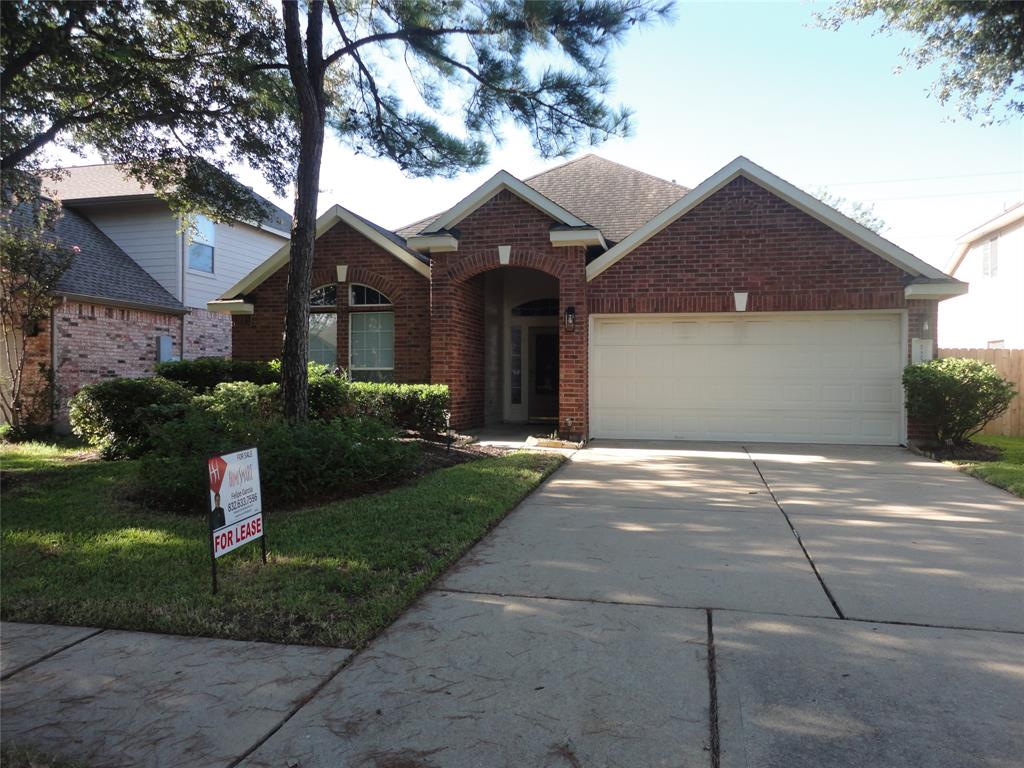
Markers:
<point>612,197</point>
<point>108,181</point>
<point>100,269</point>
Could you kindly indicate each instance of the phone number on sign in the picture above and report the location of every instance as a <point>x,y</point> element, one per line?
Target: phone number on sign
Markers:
<point>243,502</point>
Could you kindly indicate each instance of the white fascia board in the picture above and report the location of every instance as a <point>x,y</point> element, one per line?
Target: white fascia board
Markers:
<point>440,243</point>
<point>938,291</point>
<point>230,307</point>
<point>999,222</point>
<point>499,181</point>
<point>567,237</point>
<point>323,224</point>
<point>799,199</point>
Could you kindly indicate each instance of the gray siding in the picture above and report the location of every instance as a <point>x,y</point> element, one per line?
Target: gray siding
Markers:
<point>148,233</point>
<point>238,251</point>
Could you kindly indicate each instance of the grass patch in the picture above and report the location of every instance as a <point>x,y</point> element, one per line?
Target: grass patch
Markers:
<point>29,456</point>
<point>1006,473</point>
<point>75,550</point>
<point>14,756</point>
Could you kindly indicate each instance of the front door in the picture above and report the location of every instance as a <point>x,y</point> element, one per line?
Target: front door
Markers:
<point>543,374</point>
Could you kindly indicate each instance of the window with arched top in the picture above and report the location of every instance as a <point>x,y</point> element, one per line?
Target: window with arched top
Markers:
<point>371,335</point>
<point>323,325</point>
<point>365,296</point>
<point>324,296</point>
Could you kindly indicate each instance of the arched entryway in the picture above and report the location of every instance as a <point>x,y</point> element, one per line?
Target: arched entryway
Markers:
<point>501,342</point>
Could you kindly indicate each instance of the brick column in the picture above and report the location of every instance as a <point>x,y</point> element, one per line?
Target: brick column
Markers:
<point>573,395</point>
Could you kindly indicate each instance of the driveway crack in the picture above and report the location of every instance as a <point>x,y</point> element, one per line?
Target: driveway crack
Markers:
<point>714,746</point>
<point>796,534</point>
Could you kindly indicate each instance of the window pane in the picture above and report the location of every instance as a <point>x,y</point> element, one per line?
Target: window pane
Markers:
<point>324,296</point>
<point>203,231</point>
<point>364,296</point>
<point>323,338</point>
<point>200,257</point>
<point>371,341</point>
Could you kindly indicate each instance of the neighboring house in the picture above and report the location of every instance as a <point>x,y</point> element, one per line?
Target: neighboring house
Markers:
<point>991,258</point>
<point>136,291</point>
<point>612,304</point>
<point>194,263</point>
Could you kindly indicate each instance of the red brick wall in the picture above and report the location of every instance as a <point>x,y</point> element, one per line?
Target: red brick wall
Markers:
<point>207,334</point>
<point>95,342</point>
<point>744,238</point>
<point>457,309</point>
<point>259,336</point>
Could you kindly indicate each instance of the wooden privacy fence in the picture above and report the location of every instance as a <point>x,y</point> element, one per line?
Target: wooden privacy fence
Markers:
<point>1010,364</point>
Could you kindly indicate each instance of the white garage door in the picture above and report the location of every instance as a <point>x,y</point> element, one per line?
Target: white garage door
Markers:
<point>809,377</point>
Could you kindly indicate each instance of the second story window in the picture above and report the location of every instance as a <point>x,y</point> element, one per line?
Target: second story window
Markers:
<point>201,245</point>
<point>990,258</point>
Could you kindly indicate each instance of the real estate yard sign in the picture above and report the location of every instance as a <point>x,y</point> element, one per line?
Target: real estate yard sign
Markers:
<point>236,507</point>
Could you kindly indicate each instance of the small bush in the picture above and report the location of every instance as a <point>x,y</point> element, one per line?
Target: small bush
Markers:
<point>205,373</point>
<point>298,462</point>
<point>115,416</point>
<point>420,407</point>
<point>329,396</point>
<point>955,398</point>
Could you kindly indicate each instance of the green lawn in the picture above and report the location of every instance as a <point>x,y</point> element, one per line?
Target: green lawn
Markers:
<point>1007,473</point>
<point>76,550</point>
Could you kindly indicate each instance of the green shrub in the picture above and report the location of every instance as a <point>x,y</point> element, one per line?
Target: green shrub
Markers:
<point>421,407</point>
<point>298,462</point>
<point>205,373</point>
<point>955,398</point>
<point>115,416</point>
<point>329,396</point>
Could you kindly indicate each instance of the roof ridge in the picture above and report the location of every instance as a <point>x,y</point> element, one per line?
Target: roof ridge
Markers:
<point>566,164</point>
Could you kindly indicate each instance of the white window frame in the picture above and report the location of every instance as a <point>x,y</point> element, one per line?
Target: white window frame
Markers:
<point>382,312</point>
<point>990,258</point>
<point>196,237</point>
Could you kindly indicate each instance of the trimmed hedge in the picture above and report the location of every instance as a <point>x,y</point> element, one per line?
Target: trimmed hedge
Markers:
<point>115,416</point>
<point>205,373</point>
<point>314,460</point>
<point>955,398</point>
<point>420,407</point>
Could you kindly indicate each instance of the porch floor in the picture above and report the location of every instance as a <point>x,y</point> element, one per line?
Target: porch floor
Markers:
<point>508,435</point>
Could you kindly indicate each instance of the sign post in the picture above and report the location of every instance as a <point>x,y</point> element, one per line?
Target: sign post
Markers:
<point>236,505</point>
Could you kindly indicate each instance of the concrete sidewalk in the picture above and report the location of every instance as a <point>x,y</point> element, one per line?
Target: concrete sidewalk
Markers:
<point>112,698</point>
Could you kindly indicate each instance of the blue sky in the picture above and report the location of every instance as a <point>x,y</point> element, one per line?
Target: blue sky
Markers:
<point>817,107</point>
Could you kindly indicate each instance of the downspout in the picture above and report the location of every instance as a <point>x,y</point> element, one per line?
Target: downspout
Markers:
<point>181,291</point>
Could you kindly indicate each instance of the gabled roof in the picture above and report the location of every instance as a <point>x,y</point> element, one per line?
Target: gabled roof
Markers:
<point>1009,217</point>
<point>108,182</point>
<point>100,271</point>
<point>387,240</point>
<point>608,196</point>
<point>614,198</point>
<point>502,180</point>
<point>810,205</point>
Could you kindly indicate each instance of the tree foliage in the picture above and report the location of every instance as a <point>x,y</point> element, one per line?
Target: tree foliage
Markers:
<point>979,45</point>
<point>32,262</point>
<point>174,89</point>
<point>955,398</point>
<point>863,213</point>
<point>543,65</point>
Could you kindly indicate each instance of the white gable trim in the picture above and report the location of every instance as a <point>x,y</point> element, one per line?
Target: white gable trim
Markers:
<point>561,238</point>
<point>230,307</point>
<point>323,224</point>
<point>741,166</point>
<point>993,227</point>
<point>937,291</point>
<point>441,243</point>
<point>499,181</point>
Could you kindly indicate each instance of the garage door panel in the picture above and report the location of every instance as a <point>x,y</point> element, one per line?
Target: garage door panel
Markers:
<point>801,378</point>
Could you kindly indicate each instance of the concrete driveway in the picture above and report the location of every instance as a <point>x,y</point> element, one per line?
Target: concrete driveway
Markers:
<point>651,605</point>
<point>695,605</point>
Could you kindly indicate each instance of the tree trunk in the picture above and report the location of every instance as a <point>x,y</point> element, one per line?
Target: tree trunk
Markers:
<point>294,373</point>
<point>306,72</point>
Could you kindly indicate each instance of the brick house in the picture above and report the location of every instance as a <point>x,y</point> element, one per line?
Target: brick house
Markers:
<point>610,303</point>
<point>136,291</point>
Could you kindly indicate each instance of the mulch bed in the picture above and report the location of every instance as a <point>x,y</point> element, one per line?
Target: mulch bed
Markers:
<point>969,452</point>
